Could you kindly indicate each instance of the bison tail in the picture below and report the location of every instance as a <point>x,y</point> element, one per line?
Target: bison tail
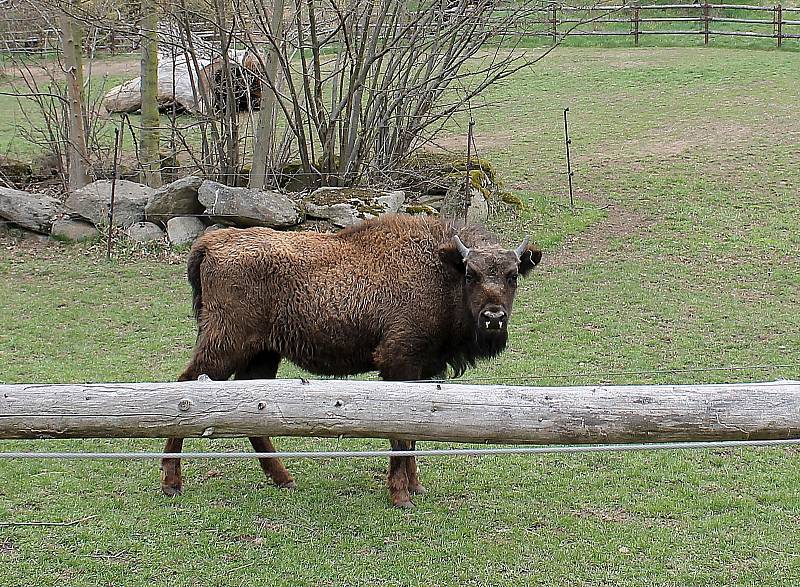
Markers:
<point>196,257</point>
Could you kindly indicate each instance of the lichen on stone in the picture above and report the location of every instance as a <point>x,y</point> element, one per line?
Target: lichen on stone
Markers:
<point>440,173</point>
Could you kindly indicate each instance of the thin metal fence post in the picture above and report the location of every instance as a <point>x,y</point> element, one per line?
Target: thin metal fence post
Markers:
<point>113,192</point>
<point>567,143</point>
<point>468,184</point>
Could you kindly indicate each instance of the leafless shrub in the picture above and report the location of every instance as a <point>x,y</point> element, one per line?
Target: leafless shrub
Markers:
<point>347,89</point>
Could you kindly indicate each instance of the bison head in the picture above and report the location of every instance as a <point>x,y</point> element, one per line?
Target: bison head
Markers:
<point>489,273</point>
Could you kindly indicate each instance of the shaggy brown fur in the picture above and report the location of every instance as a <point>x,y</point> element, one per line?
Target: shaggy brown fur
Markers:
<point>394,294</point>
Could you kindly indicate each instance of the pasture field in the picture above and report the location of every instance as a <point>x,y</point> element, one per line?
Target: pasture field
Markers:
<point>681,257</point>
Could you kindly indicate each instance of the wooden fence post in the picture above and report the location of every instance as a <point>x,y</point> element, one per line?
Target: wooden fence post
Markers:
<point>635,22</point>
<point>554,21</point>
<point>705,22</point>
<point>779,22</point>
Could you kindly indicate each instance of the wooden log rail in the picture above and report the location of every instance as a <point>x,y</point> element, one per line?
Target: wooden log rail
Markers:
<point>422,411</point>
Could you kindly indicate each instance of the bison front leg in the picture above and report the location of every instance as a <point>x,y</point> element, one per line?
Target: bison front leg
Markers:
<point>399,361</point>
<point>398,476</point>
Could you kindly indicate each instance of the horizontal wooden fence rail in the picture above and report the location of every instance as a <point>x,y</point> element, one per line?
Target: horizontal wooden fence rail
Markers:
<point>704,14</point>
<point>552,19</point>
<point>422,411</point>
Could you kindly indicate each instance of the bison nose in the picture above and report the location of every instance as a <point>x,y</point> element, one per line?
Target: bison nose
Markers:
<point>494,319</point>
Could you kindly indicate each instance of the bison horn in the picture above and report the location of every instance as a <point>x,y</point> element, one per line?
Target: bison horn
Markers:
<point>461,248</point>
<point>520,250</point>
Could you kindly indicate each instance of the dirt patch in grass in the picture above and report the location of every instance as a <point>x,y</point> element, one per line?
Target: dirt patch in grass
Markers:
<point>51,70</point>
<point>19,246</point>
<point>24,242</point>
<point>126,66</point>
<point>677,141</point>
<point>717,136</point>
<point>620,222</point>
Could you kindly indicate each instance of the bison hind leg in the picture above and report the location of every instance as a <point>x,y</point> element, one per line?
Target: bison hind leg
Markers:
<point>171,482</point>
<point>265,366</point>
<point>415,487</point>
<point>397,478</point>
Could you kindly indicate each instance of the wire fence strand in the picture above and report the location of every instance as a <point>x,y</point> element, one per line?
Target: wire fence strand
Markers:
<point>450,452</point>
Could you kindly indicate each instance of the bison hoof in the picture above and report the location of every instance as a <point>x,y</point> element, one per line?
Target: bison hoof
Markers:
<point>404,505</point>
<point>172,490</point>
<point>287,485</point>
<point>418,489</point>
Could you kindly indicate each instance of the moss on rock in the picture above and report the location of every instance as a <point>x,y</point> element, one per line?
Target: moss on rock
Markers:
<point>511,199</point>
<point>439,173</point>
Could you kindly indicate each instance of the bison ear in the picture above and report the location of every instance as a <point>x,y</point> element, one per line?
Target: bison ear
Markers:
<point>529,259</point>
<point>452,258</point>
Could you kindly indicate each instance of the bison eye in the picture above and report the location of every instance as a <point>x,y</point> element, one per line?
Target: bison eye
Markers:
<point>512,279</point>
<point>470,277</point>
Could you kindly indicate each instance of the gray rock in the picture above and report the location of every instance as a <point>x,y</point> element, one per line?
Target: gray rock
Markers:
<point>178,198</point>
<point>391,201</point>
<point>245,207</point>
<point>434,201</point>
<point>340,215</point>
<point>184,229</point>
<point>144,232</point>
<point>91,202</point>
<point>73,230</point>
<point>214,227</point>
<point>350,206</point>
<point>478,211</point>
<point>30,211</point>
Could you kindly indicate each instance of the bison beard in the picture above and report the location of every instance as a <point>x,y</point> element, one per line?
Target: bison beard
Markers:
<point>489,343</point>
<point>403,295</point>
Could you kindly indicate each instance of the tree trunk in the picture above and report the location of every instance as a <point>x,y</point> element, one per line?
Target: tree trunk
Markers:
<point>77,153</point>
<point>265,129</point>
<point>149,140</point>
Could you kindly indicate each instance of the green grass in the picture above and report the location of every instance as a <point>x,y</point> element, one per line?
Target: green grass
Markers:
<point>688,228</point>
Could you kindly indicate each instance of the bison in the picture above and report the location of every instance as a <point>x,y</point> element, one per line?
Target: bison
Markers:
<point>406,296</point>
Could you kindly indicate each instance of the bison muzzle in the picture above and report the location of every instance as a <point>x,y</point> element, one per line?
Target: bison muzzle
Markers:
<point>409,297</point>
